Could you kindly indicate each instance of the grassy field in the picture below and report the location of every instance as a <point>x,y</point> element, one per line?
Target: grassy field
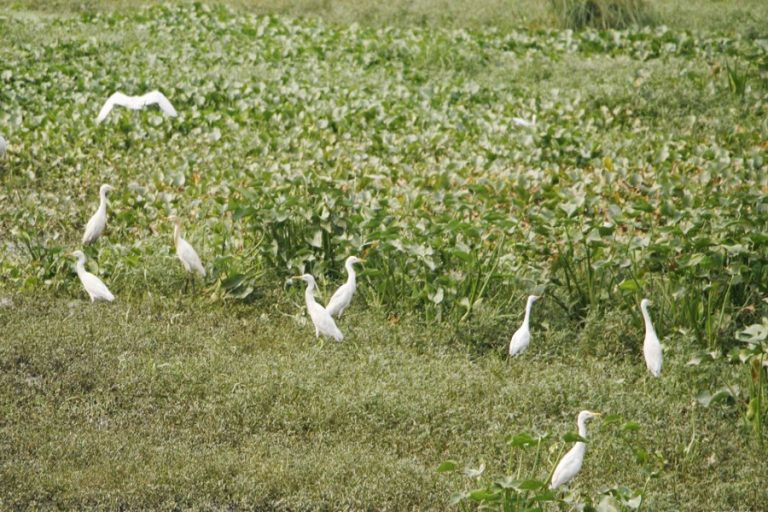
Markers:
<point>303,140</point>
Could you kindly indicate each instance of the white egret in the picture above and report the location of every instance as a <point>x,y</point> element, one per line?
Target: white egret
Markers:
<point>343,296</point>
<point>570,465</point>
<point>136,103</point>
<point>98,221</point>
<point>92,284</point>
<point>185,251</point>
<point>651,345</point>
<point>519,121</point>
<point>3,146</point>
<point>323,321</point>
<point>522,336</point>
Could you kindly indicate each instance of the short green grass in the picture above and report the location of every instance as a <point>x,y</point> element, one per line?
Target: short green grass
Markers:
<point>167,403</point>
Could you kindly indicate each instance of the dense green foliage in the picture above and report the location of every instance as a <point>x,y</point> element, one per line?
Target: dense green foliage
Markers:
<point>300,142</point>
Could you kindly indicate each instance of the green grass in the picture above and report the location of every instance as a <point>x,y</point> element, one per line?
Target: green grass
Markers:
<point>744,16</point>
<point>301,141</point>
<point>166,403</point>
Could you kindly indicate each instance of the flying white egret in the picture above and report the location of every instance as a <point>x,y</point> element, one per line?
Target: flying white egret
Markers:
<point>651,345</point>
<point>136,103</point>
<point>98,221</point>
<point>92,284</point>
<point>185,251</point>
<point>343,296</point>
<point>522,336</point>
<point>323,321</point>
<point>570,465</point>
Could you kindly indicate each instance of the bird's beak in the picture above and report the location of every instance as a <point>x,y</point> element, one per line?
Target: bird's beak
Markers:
<point>361,260</point>
<point>597,414</point>
<point>296,278</point>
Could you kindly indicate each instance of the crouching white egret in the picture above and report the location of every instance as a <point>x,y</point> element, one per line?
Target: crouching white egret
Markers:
<point>93,285</point>
<point>98,221</point>
<point>651,345</point>
<point>343,296</point>
<point>323,321</point>
<point>136,103</point>
<point>522,336</point>
<point>570,465</point>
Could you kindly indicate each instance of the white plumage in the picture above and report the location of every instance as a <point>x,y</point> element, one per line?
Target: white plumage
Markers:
<point>3,146</point>
<point>570,464</point>
<point>323,321</point>
<point>343,296</point>
<point>93,285</point>
<point>98,221</point>
<point>522,336</point>
<point>136,103</point>
<point>651,345</point>
<point>519,121</point>
<point>185,252</point>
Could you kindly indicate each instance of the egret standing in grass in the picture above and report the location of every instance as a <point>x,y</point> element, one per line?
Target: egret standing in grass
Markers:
<point>651,345</point>
<point>323,321</point>
<point>522,336</point>
<point>98,221</point>
<point>570,465</point>
<point>185,252</point>
<point>343,296</point>
<point>93,285</point>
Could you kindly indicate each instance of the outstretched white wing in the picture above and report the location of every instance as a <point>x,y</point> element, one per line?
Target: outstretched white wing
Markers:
<point>158,98</point>
<point>136,103</point>
<point>116,99</point>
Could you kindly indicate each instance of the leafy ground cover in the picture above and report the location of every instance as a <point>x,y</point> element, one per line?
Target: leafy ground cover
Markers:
<point>299,142</point>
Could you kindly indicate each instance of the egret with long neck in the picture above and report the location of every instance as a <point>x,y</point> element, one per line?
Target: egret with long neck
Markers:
<point>570,465</point>
<point>651,346</point>
<point>522,336</point>
<point>324,324</point>
<point>98,221</point>
<point>96,289</point>
<point>343,296</point>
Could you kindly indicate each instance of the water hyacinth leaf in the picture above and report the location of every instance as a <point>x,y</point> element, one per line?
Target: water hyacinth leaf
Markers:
<point>630,426</point>
<point>457,498</point>
<point>484,495</point>
<point>449,465</point>
<point>523,440</point>
<point>705,398</point>
<point>609,504</point>
<point>475,473</point>
<point>573,437</point>
<point>754,333</point>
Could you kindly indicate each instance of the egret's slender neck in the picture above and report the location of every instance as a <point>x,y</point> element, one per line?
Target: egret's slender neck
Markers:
<point>647,319</point>
<point>103,199</point>
<point>80,265</point>
<point>176,232</point>
<point>527,318</point>
<point>309,293</point>
<point>350,272</point>
<point>582,422</point>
